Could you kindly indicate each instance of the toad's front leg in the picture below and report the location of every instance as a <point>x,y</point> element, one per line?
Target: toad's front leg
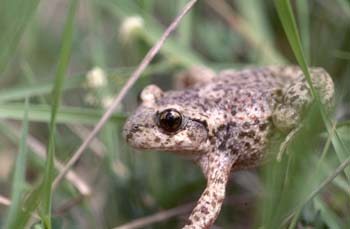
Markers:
<point>217,169</point>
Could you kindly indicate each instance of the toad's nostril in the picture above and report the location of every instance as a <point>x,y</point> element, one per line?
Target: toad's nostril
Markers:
<point>135,128</point>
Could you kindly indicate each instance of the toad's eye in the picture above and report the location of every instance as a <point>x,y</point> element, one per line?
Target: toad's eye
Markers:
<point>170,120</point>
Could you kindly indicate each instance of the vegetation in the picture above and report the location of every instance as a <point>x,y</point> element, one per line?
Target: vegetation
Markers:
<point>63,62</point>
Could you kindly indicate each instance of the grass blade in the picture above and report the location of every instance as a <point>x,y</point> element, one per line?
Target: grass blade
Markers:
<point>22,91</point>
<point>303,12</point>
<point>57,93</point>
<point>286,16</point>
<point>18,185</point>
<point>13,27</point>
<point>288,21</point>
<point>66,115</point>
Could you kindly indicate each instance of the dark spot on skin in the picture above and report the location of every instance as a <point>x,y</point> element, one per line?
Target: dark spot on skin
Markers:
<point>256,121</point>
<point>191,136</point>
<point>234,110</point>
<point>179,142</point>
<point>128,136</point>
<point>251,134</point>
<point>262,109</point>
<point>247,145</point>
<point>263,126</point>
<point>234,150</point>
<point>226,130</point>
<point>212,140</point>
<point>303,87</point>
<point>157,139</point>
<point>204,210</point>
<point>220,181</point>
<point>222,146</point>
<point>204,108</point>
<point>279,92</point>
<point>257,140</point>
<point>189,222</point>
<point>295,97</point>
<point>221,128</point>
<point>246,125</point>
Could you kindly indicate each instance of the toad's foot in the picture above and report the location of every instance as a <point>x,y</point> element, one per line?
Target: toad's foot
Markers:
<point>209,205</point>
<point>297,98</point>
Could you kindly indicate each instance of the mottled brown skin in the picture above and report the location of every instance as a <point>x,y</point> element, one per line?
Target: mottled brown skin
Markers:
<point>228,121</point>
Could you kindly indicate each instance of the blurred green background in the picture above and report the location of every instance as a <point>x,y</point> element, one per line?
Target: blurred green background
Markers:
<point>110,38</point>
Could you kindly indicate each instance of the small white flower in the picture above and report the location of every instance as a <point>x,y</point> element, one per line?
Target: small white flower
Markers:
<point>107,101</point>
<point>96,78</point>
<point>120,169</point>
<point>90,99</point>
<point>130,26</point>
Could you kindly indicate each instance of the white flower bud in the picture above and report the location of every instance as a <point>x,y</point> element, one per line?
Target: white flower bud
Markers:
<point>130,27</point>
<point>96,78</point>
<point>106,101</point>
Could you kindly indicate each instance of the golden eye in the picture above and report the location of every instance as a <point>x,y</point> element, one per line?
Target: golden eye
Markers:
<point>170,120</point>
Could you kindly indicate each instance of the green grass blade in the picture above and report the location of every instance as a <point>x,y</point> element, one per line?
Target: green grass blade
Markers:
<point>345,6</point>
<point>328,215</point>
<point>66,115</point>
<point>185,28</point>
<point>29,205</point>
<point>172,49</point>
<point>288,21</point>
<point>12,27</point>
<point>117,76</point>
<point>286,16</point>
<point>256,23</point>
<point>57,93</point>
<point>19,182</point>
<point>304,22</point>
<point>21,91</point>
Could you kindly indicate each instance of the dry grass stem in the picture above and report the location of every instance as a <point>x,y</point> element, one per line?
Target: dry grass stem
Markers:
<point>38,148</point>
<point>158,217</point>
<point>133,78</point>
<point>69,205</point>
<point>239,25</point>
<point>4,201</point>
<point>96,145</point>
<point>329,179</point>
<point>183,209</point>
